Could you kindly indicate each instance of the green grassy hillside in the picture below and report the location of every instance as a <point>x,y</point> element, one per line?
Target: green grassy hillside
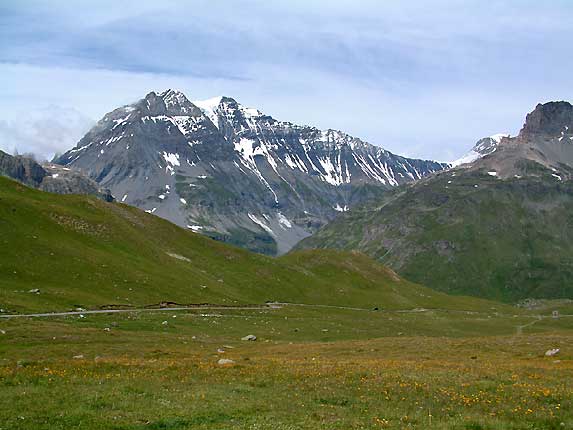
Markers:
<point>469,233</point>
<point>312,367</point>
<point>82,252</point>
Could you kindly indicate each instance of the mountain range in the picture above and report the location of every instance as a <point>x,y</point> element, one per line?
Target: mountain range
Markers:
<point>233,173</point>
<point>496,223</point>
<point>499,226</point>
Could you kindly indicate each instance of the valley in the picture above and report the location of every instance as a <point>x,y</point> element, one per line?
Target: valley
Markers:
<point>286,215</point>
<point>309,368</point>
<point>113,318</point>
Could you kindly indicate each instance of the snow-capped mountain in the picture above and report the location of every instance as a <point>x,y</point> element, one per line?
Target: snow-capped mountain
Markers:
<point>483,147</point>
<point>233,172</point>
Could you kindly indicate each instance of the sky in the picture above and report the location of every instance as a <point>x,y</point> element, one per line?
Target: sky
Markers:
<point>421,78</point>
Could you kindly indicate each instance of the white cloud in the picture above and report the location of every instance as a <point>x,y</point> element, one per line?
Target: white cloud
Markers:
<point>43,132</point>
<point>423,78</point>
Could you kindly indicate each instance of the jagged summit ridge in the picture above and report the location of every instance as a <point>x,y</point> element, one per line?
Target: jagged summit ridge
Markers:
<point>545,138</point>
<point>233,172</point>
<point>552,119</point>
<point>544,144</point>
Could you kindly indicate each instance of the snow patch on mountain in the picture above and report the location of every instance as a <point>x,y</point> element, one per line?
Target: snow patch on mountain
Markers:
<point>209,108</point>
<point>226,162</point>
<point>171,158</point>
<point>483,147</point>
<point>283,221</point>
<point>247,151</point>
<point>176,99</point>
<point>261,224</point>
<point>120,121</point>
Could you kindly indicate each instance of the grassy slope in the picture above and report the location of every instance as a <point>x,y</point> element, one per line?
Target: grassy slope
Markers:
<point>504,240</point>
<point>80,251</point>
<point>311,367</point>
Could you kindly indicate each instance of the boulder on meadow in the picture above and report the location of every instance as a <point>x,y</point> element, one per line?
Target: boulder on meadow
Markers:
<point>552,352</point>
<point>250,337</point>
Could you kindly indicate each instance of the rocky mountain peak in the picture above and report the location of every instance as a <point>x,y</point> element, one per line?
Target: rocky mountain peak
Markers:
<point>232,172</point>
<point>209,108</point>
<point>483,147</point>
<point>168,103</point>
<point>228,101</point>
<point>544,146</point>
<point>231,106</point>
<point>152,104</point>
<point>553,119</point>
<point>22,169</point>
<point>489,144</point>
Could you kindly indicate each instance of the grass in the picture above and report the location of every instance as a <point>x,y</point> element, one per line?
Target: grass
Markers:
<point>311,368</point>
<point>358,348</point>
<point>82,252</point>
<point>468,233</point>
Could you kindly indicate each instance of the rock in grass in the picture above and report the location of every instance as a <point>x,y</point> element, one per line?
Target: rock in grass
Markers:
<point>34,291</point>
<point>250,337</point>
<point>225,362</point>
<point>552,352</point>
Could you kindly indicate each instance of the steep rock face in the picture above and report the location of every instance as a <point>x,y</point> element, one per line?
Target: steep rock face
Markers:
<point>552,120</point>
<point>544,142</point>
<point>499,227</point>
<point>63,180</point>
<point>50,177</point>
<point>232,172</point>
<point>546,138</point>
<point>22,169</point>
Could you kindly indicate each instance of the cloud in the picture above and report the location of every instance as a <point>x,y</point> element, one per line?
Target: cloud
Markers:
<point>426,78</point>
<point>43,132</point>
